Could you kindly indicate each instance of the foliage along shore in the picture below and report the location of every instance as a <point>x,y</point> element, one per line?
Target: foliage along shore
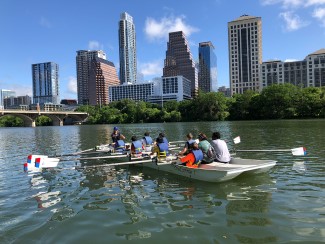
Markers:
<point>281,101</point>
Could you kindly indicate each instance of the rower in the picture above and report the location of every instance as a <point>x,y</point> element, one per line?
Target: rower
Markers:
<point>118,140</point>
<point>188,145</point>
<point>161,148</point>
<point>194,158</point>
<point>162,135</point>
<point>136,146</point>
<point>116,135</point>
<point>147,142</point>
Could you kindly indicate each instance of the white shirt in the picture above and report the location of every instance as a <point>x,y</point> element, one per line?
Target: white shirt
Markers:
<point>221,149</point>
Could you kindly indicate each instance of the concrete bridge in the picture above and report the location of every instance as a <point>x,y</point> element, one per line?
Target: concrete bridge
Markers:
<point>29,116</point>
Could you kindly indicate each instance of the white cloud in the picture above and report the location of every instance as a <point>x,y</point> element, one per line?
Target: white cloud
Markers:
<point>159,29</point>
<point>154,68</point>
<point>21,90</point>
<point>291,4</point>
<point>314,2</point>
<point>72,85</point>
<point>94,45</point>
<point>291,60</point>
<point>292,21</point>
<point>319,13</point>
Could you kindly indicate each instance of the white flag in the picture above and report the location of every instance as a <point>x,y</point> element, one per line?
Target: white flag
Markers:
<point>237,140</point>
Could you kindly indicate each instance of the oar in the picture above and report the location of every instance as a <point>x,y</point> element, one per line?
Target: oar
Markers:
<point>176,142</point>
<point>149,160</point>
<point>100,157</point>
<point>299,151</point>
<point>74,154</point>
<point>115,164</point>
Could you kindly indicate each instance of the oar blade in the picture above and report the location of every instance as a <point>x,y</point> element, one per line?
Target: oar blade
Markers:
<point>237,140</point>
<point>299,151</point>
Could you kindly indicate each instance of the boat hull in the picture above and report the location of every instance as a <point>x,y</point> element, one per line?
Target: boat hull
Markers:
<point>215,172</point>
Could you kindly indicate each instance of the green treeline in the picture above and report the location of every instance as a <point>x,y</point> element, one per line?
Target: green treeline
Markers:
<point>284,101</point>
<point>13,121</point>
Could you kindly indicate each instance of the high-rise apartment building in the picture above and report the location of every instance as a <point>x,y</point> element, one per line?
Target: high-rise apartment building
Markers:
<point>83,61</point>
<point>207,67</point>
<point>245,53</point>
<point>102,75</point>
<point>45,83</point>
<point>179,60</point>
<point>127,49</point>
<point>309,72</point>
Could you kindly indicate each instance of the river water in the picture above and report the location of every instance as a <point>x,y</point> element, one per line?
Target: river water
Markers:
<point>130,203</point>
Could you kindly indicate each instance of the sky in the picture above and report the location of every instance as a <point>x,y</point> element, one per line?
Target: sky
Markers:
<point>38,31</point>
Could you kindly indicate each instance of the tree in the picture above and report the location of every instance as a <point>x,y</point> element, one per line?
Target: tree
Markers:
<point>11,121</point>
<point>240,107</point>
<point>278,101</point>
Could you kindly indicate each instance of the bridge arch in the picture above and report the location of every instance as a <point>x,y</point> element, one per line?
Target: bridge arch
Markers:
<point>29,116</point>
<point>28,121</point>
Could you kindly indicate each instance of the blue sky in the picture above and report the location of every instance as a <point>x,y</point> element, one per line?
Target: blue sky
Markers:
<point>38,31</point>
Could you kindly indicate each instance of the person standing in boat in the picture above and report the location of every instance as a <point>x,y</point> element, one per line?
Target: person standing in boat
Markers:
<point>194,158</point>
<point>220,148</point>
<point>188,145</point>
<point>118,139</point>
<point>208,151</point>
<point>147,142</point>
<point>136,146</point>
<point>161,148</point>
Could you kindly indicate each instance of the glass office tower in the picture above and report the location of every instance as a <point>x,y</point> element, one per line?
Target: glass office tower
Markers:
<point>45,83</point>
<point>207,67</point>
<point>127,49</point>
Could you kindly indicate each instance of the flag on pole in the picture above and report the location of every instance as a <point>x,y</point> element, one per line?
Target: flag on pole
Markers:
<point>299,151</point>
<point>237,140</point>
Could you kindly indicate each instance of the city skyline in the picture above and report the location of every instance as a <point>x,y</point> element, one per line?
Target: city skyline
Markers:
<point>36,33</point>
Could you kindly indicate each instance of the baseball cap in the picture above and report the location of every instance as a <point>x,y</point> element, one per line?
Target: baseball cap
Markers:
<point>115,128</point>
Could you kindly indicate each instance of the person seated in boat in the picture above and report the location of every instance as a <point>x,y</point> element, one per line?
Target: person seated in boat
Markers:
<point>220,148</point>
<point>116,135</point>
<point>162,135</point>
<point>208,151</point>
<point>194,158</point>
<point>118,140</point>
<point>136,146</point>
<point>188,145</point>
<point>147,142</point>
<point>160,148</point>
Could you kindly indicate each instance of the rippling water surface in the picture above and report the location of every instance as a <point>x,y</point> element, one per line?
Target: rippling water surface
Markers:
<point>119,204</point>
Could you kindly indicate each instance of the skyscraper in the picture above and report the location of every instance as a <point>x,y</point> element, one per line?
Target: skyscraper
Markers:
<point>83,60</point>
<point>5,94</point>
<point>102,75</point>
<point>245,53</point>
<point>207,67</point>
<point>127,49</point>
<point>179,60</point>
<point>45,83</point>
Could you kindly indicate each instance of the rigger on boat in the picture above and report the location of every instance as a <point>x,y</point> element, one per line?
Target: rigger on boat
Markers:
<point>211,172</point>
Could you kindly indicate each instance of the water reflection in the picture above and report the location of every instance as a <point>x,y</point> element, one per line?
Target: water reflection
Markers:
<point>44,197</point>
<point>299,166</point>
